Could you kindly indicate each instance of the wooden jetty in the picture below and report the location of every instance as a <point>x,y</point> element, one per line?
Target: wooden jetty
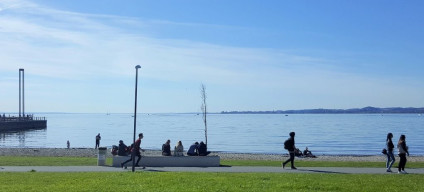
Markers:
<point>22,121</point>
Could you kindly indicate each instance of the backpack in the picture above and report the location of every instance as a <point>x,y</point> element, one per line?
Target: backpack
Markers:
<point>286,144</point>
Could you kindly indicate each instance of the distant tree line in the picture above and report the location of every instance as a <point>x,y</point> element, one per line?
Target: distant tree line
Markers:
<point>365,110</point>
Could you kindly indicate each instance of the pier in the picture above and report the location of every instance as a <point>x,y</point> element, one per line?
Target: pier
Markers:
<point>22,121</point>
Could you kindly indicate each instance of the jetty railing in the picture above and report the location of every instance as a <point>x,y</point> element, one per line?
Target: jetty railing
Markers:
<point>9,118</point>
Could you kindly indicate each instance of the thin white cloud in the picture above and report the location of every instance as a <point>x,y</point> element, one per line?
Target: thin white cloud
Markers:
<point>76,50</point>
<point>60,45</point>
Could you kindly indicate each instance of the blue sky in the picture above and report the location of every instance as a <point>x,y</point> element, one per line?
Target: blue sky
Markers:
<point>79,56</point>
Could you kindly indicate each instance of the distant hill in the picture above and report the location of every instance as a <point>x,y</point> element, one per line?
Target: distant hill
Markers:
<point>364,110</point>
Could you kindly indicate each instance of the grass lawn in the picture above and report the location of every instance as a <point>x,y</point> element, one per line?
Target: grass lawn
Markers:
<point>169,181</point>
<point>89,161</point>
<point>49,161</point>
<point>177,181</point>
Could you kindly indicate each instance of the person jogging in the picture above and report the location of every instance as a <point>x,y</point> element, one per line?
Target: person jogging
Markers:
<point>135,151</point>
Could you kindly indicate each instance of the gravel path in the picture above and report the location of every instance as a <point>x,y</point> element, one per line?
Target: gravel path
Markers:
<point>90,152</point>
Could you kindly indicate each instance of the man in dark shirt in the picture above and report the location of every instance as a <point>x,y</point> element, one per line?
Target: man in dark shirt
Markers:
<point>290,147</point>
<point>98,138</point>
<point>193,150</point>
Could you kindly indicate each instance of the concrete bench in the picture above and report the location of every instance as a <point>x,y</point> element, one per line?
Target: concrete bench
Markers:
<point>170,161</point>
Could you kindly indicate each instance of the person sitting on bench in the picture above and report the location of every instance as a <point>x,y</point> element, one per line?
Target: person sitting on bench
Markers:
<point>193,150</point>
<point>166,148</point>
<point>179,149</point>
<point>123,149</point>
<point>203,149</point>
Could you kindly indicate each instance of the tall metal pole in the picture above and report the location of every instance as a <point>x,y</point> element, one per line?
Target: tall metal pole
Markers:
<point>23,93</point>
<point>135,115</point>
<point>20,92</point>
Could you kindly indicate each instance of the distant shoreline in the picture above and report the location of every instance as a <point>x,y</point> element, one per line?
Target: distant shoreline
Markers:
<point>365,110</point>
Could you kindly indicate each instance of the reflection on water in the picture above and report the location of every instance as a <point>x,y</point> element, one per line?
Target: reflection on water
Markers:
<point>359,134</point>
<point>22,138</point>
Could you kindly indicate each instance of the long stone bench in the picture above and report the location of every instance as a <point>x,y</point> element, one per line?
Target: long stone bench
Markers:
<point>170,161</point>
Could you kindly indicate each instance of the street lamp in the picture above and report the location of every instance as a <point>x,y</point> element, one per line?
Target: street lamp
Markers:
<point>135,115</point>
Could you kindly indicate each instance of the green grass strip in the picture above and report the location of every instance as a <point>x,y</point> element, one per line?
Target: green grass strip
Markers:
<point>49,161</point>
<point>168,181</point>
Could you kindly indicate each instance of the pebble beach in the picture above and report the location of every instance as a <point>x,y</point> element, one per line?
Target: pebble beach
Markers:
<point>91,152</point>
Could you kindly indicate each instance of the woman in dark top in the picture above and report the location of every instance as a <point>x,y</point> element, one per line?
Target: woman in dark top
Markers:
<point>390,156</point>
<point>122,149</point>
<point>403,151</point>
<point>203,150</point>
<point>166,148</point>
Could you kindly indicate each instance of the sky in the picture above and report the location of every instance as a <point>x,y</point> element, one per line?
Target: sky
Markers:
<point>79,56</point>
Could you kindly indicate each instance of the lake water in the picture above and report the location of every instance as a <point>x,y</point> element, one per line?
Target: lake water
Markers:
<point>345,134</point>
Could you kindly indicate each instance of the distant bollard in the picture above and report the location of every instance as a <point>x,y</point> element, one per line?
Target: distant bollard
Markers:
<point>101,158</point>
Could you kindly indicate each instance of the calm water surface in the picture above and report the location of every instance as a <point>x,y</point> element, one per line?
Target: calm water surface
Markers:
<point>357,134</point>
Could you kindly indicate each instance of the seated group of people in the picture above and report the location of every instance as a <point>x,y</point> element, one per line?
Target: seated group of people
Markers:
<point>178,149</point>
<point>306,153</point>
<point>195,149</point>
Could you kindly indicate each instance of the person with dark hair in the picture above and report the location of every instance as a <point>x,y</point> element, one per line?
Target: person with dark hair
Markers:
<point>135,151</point>
<point>390,156</point>
<point>403,151</point>
<point>98,138</point>
<point>122,149</point>
<point>114,150</point>
<point>193,150</point>
<point>203,149</point>
<point>289,144</point>
<point>308,153</point>
<point>166,148</point>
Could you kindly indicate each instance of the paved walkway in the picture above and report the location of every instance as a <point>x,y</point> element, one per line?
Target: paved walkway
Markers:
<point>234,169</point>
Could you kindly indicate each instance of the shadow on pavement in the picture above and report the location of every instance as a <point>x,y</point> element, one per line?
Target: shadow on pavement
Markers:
<point>320,171</point>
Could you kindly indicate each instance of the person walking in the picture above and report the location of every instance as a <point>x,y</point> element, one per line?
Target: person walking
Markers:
<point>403,151</point>
<point>289,144</point>
<point>135,151</point>
<point>390,157</point>
<point>98,138</point>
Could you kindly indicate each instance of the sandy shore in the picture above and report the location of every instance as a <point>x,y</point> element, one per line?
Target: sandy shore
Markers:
<point>90,152</point>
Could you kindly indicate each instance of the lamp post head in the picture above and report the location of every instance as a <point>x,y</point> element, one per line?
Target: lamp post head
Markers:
<point>137,67</point>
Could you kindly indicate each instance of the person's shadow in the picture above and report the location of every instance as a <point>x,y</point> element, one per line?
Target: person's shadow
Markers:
<point>320,171</point>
